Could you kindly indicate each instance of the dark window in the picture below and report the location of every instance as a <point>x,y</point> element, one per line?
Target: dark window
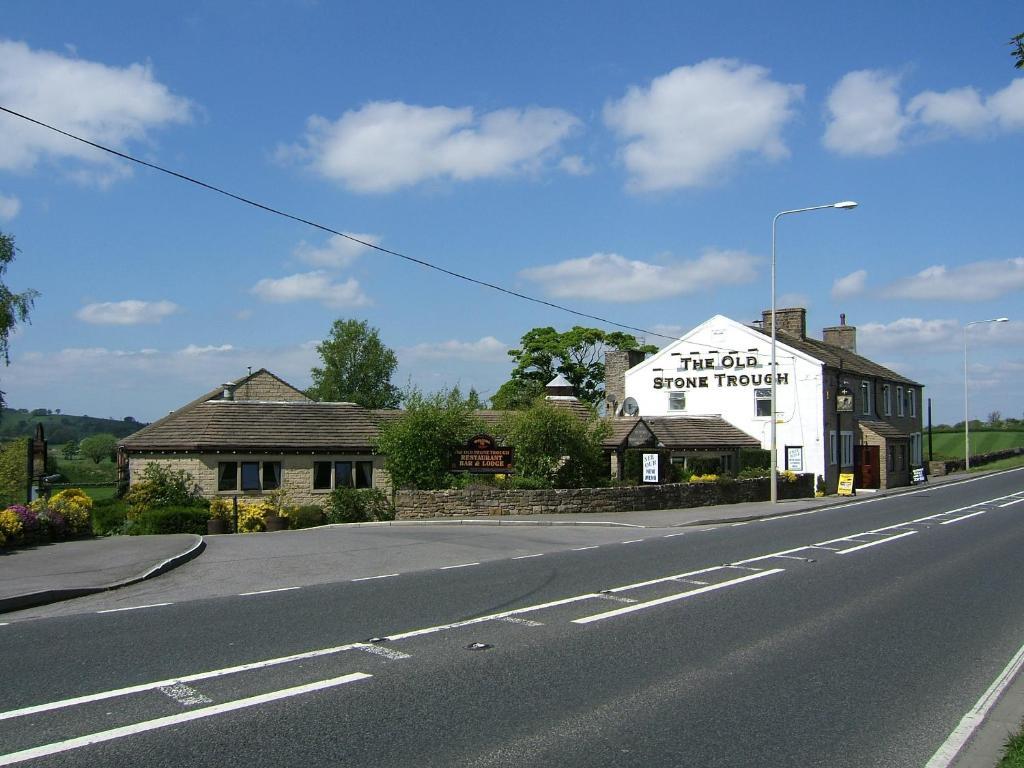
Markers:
<point>321,475</point>
<point>364,474</point>
<point>343,474</point>
<point>271,475</point>
<point>227,476</point>
<point>763,400</point>
<point>250,475</point>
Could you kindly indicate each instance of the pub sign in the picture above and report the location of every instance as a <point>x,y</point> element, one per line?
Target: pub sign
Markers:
<point>482,455</point>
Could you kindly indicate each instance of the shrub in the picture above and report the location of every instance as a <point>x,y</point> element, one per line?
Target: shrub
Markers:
<point>75,506</point>
<point>748,473</point>
<point>221,509</point>
<point>704,479</point>
<point>29,522</point>
<point>787,476</point>
<point>349,505</point>
<point>250,518</point>
<point>186,519</point>
<point>306,516</point>
<point>755,458</point>
<point>10,526</point>
<point>109,517</point>
<point>633,466</point>
<point>162,487</point>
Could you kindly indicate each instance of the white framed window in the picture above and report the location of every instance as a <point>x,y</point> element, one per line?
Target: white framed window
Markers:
<point>833,449</point>
<point>865,398</point>
<point>887,400</point>
<point>677,401</point>
<point>846,448</point>
<point>763,402</point>
<point>899,401</point>
<point>912,402</point>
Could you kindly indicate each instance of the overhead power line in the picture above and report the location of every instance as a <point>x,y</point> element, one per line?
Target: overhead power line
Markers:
<point>324,228</point>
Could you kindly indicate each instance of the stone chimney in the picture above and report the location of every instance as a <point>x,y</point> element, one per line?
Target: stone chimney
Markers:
<point>842,335</point>
<point>616,363</point>
<point>792,321</point>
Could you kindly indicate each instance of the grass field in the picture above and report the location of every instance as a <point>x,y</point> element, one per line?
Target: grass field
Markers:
<point>950,445</point>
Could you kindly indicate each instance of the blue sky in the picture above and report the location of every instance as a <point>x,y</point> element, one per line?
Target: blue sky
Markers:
<point>625,161</point>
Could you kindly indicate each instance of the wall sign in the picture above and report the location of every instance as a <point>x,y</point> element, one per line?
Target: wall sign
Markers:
<point>795,458</point>
<point>844,400</point>
<point>650,467</point>
<point>482,455</point>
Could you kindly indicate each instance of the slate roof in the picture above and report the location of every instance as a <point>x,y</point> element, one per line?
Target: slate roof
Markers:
<point>837,357</point>
<point>883,429</point>
<point>699,432</point>
<point>620,429</point>
<point>219,425</point>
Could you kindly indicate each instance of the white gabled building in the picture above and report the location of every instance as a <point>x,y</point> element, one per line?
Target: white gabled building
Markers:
<point>723,368</point>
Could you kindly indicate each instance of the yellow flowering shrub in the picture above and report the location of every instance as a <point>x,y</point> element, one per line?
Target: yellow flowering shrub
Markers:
<point>789,477</point>
<point>250,517</point>
<point>76,508</point>
<point>10,525</point>
<point>220,509</point>
<point>704,479</point>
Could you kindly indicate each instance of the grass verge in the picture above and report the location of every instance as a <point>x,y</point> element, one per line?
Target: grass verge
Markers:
<point>1014,755</point>
<point>1010,463</point>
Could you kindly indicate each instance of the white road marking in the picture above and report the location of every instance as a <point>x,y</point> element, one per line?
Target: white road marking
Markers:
<point>523,622</point>
<point>631,541</point>
<point>461,565</point>
<point>742,522</point>
<point>671,598</point>
<point>183,717</point>
<point>371,578</point>
<point>185,695</point>
<point>387,653</point>
<point>693,581</point>
<point>616,598</point>
<point>964,517</point>
<point>580,549</point>
<point>527,557</point>
<point>670,535</point>
<point>1011,503</point>
<point>266,591</point>
<point>874,543</point>
<point>945,754</point>
<point>134,608</point>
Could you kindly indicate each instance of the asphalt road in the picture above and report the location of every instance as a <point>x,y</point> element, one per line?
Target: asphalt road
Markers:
<point>850,636</point>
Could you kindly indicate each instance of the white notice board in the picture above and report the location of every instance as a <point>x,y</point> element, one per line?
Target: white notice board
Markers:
<point>650,467</point>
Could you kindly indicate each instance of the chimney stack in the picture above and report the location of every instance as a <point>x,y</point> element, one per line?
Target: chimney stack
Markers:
<point>843,336</point>
<point>616,363</point>
<point>793,321</point>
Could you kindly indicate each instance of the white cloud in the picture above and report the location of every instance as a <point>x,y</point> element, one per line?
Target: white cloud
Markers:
<point>693,123</point>
<point>851,285</point>
<point>575,165</point>
<point>977,281</point>
<point>486,349</point>
<point>338,252</point>
<point>9,207</point>
<point>907,334</point>
<point>130,312</point>
<point>865,116</point>
<point>108,105</point>
<point>192,349</point>
<point>611,277</point>
<point>667,329</point>
<point>794,300</point>
<point>386,145</point>
<point>312,286</point>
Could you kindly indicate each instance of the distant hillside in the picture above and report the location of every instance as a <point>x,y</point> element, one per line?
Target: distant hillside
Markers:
<point>61,427</point>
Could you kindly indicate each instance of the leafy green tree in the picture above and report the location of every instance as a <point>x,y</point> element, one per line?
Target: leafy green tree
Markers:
<point>70,449</point>
<point>14,307</point>
<point>98,447</point>
<point>555,446</point>
<point>1017,43</point>
<point>357,367</point>
<point>418,444</point>
<point>577,354</point>
<point>517,394</point>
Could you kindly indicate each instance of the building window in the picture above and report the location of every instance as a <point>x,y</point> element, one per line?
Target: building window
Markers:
<point>763,402</point>
<point>227,476</point>
<point>248,475</point>
<point>833,449</point>
<point>912,402</point>
<point>915,449</point>
<point>677,401</point>
<point>886,400</point>
<point>846,445</point>
<point>342,474</point>
<point>899,401</point>
<point>865,398</point>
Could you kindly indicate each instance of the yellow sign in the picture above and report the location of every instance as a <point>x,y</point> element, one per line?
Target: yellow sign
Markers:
<point>846,484</point>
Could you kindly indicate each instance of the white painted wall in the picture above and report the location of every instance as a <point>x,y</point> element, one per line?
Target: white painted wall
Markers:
<point>722,346</point>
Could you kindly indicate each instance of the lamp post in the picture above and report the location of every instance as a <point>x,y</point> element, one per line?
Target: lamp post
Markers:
<point>967,418</point>
<point>844,205</point>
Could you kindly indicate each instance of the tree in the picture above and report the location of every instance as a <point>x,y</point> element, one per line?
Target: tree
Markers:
<point>577,354</point>
<point>517,394</point>
<point>70,449</point>
<point>555,446</point>
<point>995,420</point>
<point>98,447</point>
<point>418,444</point>
<point>14,307</point>
<point>357,367</point>
<point>1017,43</point>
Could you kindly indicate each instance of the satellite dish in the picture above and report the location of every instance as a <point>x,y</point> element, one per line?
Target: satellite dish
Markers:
<point>630,407</point>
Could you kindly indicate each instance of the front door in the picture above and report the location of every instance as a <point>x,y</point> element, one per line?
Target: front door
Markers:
<point>865,460</point>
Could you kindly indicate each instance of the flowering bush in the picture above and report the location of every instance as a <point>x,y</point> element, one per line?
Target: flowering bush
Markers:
<point>10,526</point>
<point>29,520</point>
<point>787,476</point>
<point>220,509</point>
<point>75,507</point>
<point>704,479</point>
<point>250,517</point>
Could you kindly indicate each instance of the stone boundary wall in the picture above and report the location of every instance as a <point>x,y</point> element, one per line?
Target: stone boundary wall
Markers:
<point>957,465</point>
<point>493,502</point>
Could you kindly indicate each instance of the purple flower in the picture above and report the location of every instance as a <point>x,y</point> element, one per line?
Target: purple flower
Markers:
<point>29,519</point>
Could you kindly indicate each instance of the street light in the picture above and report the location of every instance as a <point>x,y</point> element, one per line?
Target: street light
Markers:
<point>967,419</point>
<point>844,205</point>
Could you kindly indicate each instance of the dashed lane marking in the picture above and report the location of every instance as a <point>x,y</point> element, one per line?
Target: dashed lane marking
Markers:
<point>874,543</point>
<point>460,565</point>
<point>266,591</point>
<point>132,608</point>
<point>964,517</point>
<point>527,557</point>
<point>163,722</point>
<point>1011,503</point>
<point>372,578</point>
<point>580,549</point>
